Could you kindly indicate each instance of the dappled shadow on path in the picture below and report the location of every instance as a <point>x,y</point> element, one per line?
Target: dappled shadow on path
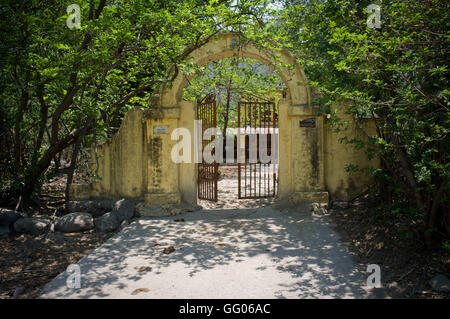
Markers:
<point>281,255</point>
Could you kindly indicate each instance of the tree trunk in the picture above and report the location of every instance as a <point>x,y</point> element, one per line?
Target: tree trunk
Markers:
<point>73,165</point>
<point>17,130</point>
<point>226,118</point>
<point>433,214</point>
<point>448,222</point>
<point>57,161</point>
<point>43,164</point>
<point>227,112</point>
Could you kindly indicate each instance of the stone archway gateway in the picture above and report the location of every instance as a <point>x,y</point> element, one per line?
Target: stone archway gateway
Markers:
<point>136,162</point>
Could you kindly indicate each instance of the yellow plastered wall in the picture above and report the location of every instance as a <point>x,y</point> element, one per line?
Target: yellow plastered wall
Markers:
<point>341,184</point>
<point>121,161</point>
<point>136,162</point>
<point>162,171</point>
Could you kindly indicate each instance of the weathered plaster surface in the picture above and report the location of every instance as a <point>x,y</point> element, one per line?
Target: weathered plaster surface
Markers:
<point>137,163</point>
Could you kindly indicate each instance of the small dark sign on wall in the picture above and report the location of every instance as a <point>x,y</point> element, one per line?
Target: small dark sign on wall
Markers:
<point>308,123</point>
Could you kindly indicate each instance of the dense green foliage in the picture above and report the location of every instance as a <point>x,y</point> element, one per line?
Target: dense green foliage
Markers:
<point>233,80</point>
<point>62,85</point>
<point>397,74</point>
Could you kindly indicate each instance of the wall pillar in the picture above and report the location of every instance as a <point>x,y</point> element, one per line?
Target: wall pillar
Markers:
<point>301,149</point>
<point>163,181</point>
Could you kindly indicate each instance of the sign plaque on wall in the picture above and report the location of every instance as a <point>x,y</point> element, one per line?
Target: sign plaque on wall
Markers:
<point>160,130</point>
<point>311,122</point>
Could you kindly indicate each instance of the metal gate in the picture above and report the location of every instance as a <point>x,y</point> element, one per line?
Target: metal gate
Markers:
<point>207,174</point>
<point>257,179</point>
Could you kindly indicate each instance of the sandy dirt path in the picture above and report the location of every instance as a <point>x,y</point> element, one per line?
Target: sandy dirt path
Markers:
<point>227,253</point>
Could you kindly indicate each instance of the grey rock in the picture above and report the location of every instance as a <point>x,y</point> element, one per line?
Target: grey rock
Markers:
<point>319,209</point>
<point>32,225</point>
<point>18,291</point>
<point>75,205</point>
<point>124,224</point>
<point>94,207</point>
<point>124,209</point>
<point>107,222</point>
<point>74,222</point>
<point>151,210</point>
<point>175,211</point>
<point>8,217</point>
<point>440,283</point>
<point>339,204</point>
<point>4,231</point>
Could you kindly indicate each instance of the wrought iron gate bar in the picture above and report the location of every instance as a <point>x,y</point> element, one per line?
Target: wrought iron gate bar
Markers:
<point>258,180</point>
<point>207,174</point>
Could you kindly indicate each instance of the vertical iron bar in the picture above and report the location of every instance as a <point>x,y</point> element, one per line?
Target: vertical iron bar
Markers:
<point>203,145</point>
<point>249,123</point>
<point>274,173</point>
<point>245,150</point>
<point>255,109</point>
<point>265,164</point>
<point>237,149</point>
<point>216,166</point>
<point>211,175</point>
<point>259,142</point>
